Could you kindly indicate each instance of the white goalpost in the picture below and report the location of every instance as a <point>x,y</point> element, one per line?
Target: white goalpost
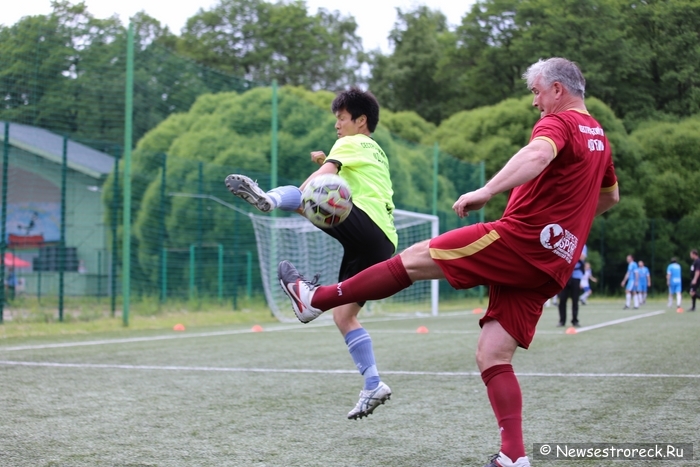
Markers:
<point>313,252</point>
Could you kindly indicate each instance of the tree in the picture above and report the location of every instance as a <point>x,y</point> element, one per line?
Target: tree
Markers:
<point>263,42</point>
<point>484,60</point>
<point>407,124</point>
<point>406,79</point>
<point>640,58</point>
<point>66,72</point>
<point>35,53</point>
<point>667,32</point>
<point>672,152</point>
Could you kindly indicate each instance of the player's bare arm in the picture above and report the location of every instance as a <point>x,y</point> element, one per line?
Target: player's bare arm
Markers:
<point>525,165</point>
<point>606,200</point>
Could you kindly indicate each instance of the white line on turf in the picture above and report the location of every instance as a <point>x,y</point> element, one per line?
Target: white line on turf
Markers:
<point>618,321</point>
<point>136,339</point>
<point>106,366</point>
<point>273,328</point>
<point>292,328</point>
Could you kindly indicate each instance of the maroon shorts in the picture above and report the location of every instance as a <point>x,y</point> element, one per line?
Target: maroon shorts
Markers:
<point>477,255</point>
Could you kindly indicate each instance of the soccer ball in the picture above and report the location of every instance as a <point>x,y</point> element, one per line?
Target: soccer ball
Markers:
<point>326,200</point>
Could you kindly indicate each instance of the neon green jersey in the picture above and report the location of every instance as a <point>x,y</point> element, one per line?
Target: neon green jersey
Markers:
<point>364,165</point>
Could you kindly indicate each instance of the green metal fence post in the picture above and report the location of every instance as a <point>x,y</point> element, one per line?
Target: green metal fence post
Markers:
<point>192,266</point>
<point>482,182</point>
<point>99,275</point>
<point>602,255</point>
<point>273,148</point>
<point>234,265</point>
<point>482,214</point>
<point>115,219</point>
<point>249,274</point>
<point>272,268</point>
<point>3,216</point>
<point>62,243</point>
<point>164,275</point>
<point>163,182</point>
<point>128,128</point>
<point>199,272</point>
<point>436,159</point>
<point>220,288</point>
<point>652,248</point>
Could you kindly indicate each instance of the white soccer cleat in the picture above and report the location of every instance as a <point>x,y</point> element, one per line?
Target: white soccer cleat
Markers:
<point>299,291</point>
<point>249,191</point>
<point>501,460</point>
<point>370,399</point>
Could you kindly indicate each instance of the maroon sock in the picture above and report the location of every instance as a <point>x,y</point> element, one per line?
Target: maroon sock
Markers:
<point>507,402</point>
<point>379,281</point>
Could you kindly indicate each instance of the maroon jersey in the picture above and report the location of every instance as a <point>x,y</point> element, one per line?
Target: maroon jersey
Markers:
<point>547,220</point>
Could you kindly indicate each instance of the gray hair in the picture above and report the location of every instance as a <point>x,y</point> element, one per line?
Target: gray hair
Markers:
<point>557,70</point>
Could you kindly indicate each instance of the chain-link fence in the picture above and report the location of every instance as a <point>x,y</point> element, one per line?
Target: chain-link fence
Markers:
<point>63,176</point>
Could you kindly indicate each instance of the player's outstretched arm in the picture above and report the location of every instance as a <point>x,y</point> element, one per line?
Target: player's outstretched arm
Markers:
<point>525,165</point>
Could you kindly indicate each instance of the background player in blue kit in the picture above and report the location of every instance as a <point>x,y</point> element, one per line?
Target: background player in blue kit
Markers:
<point>673,279</point>
<point>643,282</point>
<point>629,282</point>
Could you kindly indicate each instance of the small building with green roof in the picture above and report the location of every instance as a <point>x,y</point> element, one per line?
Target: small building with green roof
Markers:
<point>35,201</point>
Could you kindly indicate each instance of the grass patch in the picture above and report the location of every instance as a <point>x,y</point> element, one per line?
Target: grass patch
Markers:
<point>26,317</point>
<point>279,398</point>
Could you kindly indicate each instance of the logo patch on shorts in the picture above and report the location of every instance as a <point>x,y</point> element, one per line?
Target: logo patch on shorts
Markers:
<point>562,242</point>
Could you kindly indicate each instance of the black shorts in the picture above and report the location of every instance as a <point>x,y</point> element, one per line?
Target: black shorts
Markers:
<point>694,288</point>
<point>364,244</point>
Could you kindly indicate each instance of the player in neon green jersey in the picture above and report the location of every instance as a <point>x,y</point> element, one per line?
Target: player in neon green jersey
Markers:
<point>368,235</point>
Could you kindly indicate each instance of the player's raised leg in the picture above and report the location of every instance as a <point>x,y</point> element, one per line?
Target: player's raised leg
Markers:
<point>286,198</point>
<point>379,281</point>
<point>299,291</point>
<point>248,190</point>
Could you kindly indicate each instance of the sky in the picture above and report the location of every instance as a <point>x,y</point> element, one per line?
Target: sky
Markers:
<point>375,18</point>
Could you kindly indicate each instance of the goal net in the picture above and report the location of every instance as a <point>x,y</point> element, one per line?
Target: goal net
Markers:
<point>313,252</point>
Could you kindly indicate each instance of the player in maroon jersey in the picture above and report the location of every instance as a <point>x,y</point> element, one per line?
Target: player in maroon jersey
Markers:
<point>559,182</point>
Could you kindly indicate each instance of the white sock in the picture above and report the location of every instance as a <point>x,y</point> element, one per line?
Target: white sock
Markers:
<point>678,299</point>
<point>628,296</point>
<point>287,198</point>
<point>636,301</point>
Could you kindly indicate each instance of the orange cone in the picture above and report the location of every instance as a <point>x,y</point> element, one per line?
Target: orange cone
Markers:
<point>257,328</point>
<point>571,330</point>
<point>477,311</point>
<point>679,310</point>
<point>422,330</point>
<point>179,327</point>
